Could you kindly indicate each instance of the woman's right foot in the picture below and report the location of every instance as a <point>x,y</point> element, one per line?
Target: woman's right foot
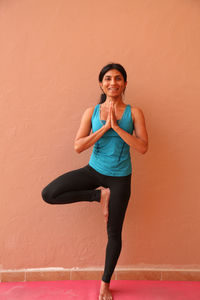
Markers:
<point>105,293</point>
<point>105,196</point>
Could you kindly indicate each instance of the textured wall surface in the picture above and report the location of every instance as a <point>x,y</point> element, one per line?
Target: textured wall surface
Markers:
<point>50,55</point>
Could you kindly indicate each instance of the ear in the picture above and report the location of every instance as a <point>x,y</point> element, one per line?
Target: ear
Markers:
<point>125,84</point>
<point>101,86</point>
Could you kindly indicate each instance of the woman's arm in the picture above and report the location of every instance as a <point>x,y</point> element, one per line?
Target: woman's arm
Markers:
<point>139,139</point>
<point>84,139</point>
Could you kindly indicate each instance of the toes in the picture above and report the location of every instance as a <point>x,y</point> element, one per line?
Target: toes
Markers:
<point>105,298</point>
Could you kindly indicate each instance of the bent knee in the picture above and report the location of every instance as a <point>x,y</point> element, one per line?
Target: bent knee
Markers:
<point>46,197</point>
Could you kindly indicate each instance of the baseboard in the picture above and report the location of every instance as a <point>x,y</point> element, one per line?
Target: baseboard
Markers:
<point>54,274</point>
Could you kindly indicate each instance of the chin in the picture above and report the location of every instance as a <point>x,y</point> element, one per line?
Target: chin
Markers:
<point>114,95</point>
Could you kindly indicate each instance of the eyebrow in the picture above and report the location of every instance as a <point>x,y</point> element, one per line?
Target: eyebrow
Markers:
<point>114,76</point>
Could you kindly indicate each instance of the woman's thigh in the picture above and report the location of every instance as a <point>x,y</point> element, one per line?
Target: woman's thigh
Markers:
<point>76,180</point>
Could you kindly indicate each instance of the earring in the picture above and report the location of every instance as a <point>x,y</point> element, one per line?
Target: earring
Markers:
<point>102,90</point>
<point>123,95</point>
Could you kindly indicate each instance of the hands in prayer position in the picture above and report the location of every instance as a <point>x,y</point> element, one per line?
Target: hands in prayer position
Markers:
<point>111,121</point>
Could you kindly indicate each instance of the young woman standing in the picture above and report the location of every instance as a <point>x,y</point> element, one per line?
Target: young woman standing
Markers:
<point>115,128</point>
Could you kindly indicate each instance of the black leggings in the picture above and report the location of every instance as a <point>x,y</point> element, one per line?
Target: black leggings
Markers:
<point>80,185</point>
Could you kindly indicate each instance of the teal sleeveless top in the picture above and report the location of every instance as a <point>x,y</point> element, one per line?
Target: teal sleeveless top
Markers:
<point>111,154</point>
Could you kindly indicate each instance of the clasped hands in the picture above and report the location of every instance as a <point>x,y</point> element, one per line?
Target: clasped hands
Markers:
<point>111,121</point>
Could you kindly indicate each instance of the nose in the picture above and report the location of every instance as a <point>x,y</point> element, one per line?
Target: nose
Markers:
<point>113,81</point>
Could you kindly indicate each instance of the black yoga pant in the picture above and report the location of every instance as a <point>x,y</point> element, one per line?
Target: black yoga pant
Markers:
<point>80,185</point>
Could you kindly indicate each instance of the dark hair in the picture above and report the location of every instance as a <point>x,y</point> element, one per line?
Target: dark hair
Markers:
<point>107,68</point>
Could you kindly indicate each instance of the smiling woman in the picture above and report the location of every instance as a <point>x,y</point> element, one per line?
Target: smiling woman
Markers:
<point>113,83</point>
<point>115,128</point>
<point>120,76</point>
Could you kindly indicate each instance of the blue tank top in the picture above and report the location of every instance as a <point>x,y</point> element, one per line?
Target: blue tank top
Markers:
<point>111,154</point>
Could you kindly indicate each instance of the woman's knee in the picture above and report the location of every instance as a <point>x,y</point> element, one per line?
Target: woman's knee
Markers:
<point>46,196</point>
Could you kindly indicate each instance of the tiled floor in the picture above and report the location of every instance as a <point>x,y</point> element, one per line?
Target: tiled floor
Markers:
<point>88,290</point>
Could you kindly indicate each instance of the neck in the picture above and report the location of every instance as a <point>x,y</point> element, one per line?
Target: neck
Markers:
<point>116,100</point>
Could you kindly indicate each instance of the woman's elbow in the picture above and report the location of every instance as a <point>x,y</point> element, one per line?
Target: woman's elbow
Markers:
<point>77,148</point>
<point>144,149</point>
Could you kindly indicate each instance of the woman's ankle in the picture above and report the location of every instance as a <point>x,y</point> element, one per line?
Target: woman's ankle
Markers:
<point>105,285</point>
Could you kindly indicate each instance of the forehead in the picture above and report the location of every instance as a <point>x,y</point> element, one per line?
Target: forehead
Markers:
<point>113,73</point>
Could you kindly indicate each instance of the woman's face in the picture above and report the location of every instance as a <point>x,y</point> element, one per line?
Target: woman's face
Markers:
<point>113,83</point>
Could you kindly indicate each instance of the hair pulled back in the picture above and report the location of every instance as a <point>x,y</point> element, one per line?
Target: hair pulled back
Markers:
<point>107,68</point>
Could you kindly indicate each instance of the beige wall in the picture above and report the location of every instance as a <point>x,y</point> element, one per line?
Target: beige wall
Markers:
<point>50,55</point>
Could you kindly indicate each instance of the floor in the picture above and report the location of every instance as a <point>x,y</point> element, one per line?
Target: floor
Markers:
<point>88,289</point>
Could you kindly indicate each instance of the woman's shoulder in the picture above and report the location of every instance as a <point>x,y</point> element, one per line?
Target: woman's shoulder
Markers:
<point>136,112</point>
<point>89,111</point>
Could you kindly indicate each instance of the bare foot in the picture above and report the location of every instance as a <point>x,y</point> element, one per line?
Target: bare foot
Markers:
<point>105,196</point>
<point>105,293</point>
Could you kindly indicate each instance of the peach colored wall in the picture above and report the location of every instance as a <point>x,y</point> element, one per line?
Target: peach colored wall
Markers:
<point>50,55</point>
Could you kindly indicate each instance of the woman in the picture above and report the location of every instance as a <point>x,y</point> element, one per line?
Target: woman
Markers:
<point>115,128</point>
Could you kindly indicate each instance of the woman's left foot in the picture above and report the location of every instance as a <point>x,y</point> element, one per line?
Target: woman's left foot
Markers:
<point>105,197</point>
<point>105,293</point>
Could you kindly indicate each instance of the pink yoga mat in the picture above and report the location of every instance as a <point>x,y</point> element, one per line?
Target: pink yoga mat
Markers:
<point>89,290</point>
